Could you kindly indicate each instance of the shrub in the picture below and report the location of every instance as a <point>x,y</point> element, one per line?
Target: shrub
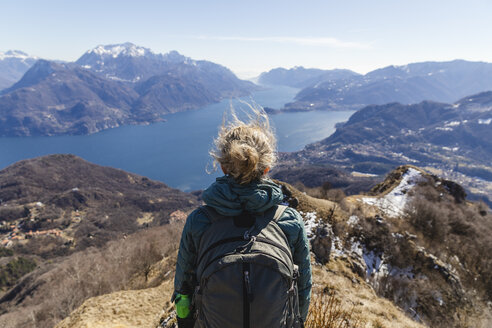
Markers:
<point>145,256</point>
<point>15,269</point>
<point>11,213</point>
<point>429,218</point>
<point>4,252</point>
<point>464,228</point>
<point>48,246</point>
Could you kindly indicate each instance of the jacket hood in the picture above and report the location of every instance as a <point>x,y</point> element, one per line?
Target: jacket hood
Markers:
<point>229,198</point>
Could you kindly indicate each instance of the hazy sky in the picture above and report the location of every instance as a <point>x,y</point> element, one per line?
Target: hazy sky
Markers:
<point>253,36</point>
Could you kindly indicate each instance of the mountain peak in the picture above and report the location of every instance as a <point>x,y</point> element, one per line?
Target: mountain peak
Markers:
<point>127,49</point>
<point>43,67</point>
<point>38,72</point>
<point>15,54</point>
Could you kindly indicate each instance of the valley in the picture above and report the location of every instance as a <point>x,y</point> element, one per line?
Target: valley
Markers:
<point>392,189</point>
<point>379,119</point>
<point>155,150</point>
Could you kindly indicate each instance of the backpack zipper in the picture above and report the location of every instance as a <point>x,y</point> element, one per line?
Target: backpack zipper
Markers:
<point>248,286</point>
<point>247,295</point>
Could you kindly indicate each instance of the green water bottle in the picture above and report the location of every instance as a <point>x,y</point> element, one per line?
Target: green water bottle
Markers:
<point>183,305</point>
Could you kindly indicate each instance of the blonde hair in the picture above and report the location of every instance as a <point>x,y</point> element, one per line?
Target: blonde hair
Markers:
<point>245,149</point>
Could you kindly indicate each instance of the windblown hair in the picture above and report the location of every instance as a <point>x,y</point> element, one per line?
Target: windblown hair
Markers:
<point>245,149</point>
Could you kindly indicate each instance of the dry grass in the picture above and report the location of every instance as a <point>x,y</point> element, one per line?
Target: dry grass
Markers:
<point>337,287</point>
<point>323,192</point>
<point>326,311</point>
<point>324,208</point>
<point>136,308</point>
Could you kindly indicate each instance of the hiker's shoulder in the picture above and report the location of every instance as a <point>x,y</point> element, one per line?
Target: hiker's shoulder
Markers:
<point>197,221</point>
<point>290,220</point>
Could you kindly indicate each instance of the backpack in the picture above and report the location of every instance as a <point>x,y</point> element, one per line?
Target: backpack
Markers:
<point>246,274</point>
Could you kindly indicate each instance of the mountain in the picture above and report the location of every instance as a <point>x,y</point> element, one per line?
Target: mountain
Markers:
<point>453,139</point>
<point>300,77</point>
<point>96,246</point>
<point>375,262</point>
<point>13,64</point>
<point>111,86</point>
<point>412,83</point>
<point>56,98</point>
<point>128,62</point>
<point>188,85</point>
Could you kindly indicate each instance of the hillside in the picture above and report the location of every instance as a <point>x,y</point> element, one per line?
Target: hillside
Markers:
<point>110,86</point>
<point>408,84</point>
<point>372,261</point>
<point>416,241</point>
<point>101,244</point>
<point>59,213</point>
<point>453,140</point>
<point>86,203</point>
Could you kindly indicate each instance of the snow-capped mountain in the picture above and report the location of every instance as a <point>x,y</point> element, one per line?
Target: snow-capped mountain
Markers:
<point>128,62</point>
<point>117,50</point>
<point>13,64</point>
<point>122,62</point>
<point>110,86</point>
<point>15,54</point>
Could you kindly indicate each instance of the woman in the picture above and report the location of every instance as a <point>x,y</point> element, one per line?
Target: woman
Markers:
<point>245,152</point>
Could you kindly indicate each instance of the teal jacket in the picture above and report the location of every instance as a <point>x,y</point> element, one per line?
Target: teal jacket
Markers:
<point>228,198</point>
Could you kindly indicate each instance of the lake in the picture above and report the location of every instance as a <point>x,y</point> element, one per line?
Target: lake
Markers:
<point>176,151</point>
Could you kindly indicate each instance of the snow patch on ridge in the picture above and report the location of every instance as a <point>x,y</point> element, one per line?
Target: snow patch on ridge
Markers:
<point>393,203</point>
<point>453,123</point>
<point>376,266</point>
<point>115,78</point>
<point>353,220</point>
<point>311,221</point>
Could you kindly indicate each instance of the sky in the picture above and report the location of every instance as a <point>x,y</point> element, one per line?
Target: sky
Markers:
<point>250,37</point>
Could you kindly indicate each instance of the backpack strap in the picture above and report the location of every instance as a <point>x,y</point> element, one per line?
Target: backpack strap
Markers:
<point>279,211</point>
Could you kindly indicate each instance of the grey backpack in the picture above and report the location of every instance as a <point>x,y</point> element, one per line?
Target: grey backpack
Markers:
<point>246,274</point>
